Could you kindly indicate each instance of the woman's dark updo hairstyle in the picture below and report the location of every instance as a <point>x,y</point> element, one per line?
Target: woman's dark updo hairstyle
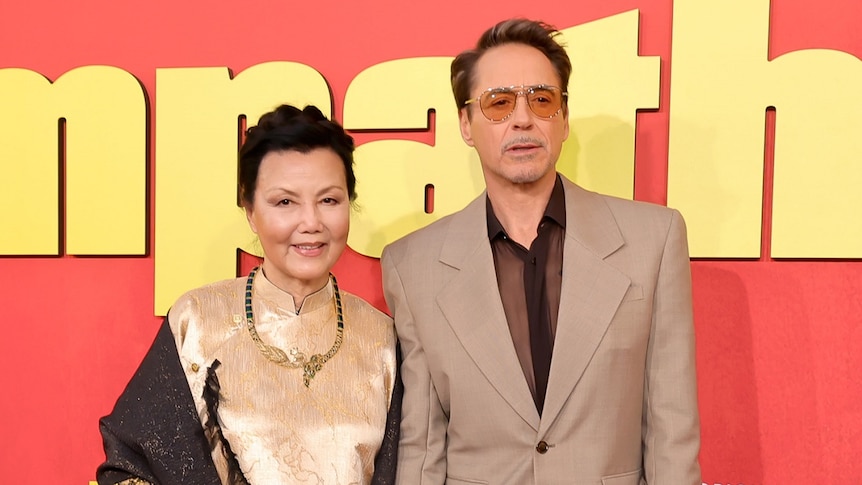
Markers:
<point>288,128</point>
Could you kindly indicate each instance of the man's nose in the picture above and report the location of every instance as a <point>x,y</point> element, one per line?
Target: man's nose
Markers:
<point>522,116</point>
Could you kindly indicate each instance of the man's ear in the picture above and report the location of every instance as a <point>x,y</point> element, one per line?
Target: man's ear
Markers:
<point>464,122</point>
<point>566,128</point>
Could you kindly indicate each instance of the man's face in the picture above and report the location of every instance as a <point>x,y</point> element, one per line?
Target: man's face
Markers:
<point>523,148</point>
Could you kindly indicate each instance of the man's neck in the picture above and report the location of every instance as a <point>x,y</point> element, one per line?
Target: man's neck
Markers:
<point>520,207</point>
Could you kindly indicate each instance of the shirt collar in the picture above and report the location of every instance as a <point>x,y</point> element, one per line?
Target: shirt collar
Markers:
<point>555,211</point>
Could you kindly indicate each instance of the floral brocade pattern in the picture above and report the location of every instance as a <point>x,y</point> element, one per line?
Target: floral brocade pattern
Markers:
<point>280,430</point>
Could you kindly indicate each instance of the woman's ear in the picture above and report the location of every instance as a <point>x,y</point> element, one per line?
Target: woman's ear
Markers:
<point>249,215</point>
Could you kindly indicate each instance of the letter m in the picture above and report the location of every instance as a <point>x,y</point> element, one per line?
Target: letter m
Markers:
<point>73,166</point>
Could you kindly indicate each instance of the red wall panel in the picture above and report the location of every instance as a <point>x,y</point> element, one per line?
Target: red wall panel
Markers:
<point>778,341</point>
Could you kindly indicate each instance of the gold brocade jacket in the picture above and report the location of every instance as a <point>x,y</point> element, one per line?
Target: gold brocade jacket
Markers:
<point>272,426</point>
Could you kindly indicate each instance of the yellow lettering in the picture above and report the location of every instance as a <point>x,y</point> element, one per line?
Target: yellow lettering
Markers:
<point>105,162</point>
<point>722,85</point>
<point>392,174</point>
<point>609,83</point>
<point>199,224</point>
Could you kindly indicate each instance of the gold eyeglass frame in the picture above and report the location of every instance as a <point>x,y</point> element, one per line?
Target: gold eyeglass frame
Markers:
<point>522,90</point>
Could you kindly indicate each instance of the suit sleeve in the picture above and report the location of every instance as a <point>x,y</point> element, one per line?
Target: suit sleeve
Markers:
<point>422,445</point>
<point>671,433</point>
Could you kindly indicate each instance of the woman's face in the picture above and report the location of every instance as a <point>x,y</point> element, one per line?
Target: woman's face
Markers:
<point>301,214</point>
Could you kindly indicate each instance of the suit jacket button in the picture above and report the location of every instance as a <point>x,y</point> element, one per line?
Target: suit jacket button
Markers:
<point>542,447</point>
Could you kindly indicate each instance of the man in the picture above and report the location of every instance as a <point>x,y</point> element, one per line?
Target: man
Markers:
<point>547,330</point>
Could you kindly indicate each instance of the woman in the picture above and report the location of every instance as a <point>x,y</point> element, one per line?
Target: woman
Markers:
<point>279,377</point>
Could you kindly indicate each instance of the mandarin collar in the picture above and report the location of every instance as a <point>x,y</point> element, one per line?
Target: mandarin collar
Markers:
<point>266,290</point>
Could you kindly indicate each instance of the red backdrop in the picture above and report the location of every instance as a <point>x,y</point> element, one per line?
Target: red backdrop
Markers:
<point>778,342</point>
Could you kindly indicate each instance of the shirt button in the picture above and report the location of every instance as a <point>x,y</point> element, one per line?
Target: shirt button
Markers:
<point>195,367</point>
<point>542,447</point>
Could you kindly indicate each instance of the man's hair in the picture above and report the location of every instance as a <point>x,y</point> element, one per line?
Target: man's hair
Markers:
<point>533,33</point>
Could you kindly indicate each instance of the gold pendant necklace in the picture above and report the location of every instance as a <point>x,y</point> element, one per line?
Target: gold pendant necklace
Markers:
<point>296,359</point>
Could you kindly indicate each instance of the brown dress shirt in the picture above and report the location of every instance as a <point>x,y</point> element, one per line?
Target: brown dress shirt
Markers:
<point>529,281</point>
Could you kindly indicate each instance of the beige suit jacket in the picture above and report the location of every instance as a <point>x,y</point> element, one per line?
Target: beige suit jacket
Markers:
<point>621,406</point>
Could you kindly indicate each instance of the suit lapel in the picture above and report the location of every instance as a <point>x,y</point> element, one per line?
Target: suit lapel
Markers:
<point>471,304</point>
<point>591,292</point>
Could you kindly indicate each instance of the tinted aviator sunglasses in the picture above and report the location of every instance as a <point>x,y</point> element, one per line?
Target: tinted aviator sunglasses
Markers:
<point>497,104</point>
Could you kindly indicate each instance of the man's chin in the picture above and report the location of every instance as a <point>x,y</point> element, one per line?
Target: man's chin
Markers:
<point>524,177</point>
